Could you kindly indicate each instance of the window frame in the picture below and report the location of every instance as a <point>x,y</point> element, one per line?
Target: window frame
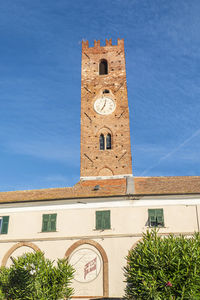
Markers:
<point>103,60</point>
<point>4,224</point>
<point>105,140</point>
<point>108,141</point>
<point>102,142</point>
<point>49,225</point>
<point>102,220</point>
<point>156,217</point>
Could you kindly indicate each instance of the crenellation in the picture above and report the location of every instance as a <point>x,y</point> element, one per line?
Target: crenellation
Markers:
<point>120,42</point>
<point>85,45</point>
<point>97,44</point>
<point>109,42</point>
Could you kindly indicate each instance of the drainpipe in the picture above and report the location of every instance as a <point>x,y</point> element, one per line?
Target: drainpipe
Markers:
<point>197,217</point>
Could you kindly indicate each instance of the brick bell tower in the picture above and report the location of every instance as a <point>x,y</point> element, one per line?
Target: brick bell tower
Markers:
<point>105,132</point>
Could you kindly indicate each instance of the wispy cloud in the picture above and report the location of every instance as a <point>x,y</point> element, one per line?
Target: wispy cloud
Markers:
<point>171,153</point>
<point>47,150</point>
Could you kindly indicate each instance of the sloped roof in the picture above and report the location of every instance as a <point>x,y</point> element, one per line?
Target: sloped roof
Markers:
<point>167,185</point>
<point>110,187</point>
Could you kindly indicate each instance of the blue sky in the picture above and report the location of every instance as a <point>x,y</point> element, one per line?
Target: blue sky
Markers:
<point>40,64</point>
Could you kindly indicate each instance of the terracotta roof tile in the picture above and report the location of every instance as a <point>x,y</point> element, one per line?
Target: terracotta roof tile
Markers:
<point>167,185</point>
<point>109,187</point>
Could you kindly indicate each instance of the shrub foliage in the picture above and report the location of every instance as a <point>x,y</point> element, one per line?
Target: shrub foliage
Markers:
<point>161,268</point>
<point>32,276</point>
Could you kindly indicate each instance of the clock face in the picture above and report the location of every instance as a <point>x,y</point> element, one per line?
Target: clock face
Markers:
<point>104,106</point>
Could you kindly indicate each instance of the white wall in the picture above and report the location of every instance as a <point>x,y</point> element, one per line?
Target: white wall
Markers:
<point>77,221</point>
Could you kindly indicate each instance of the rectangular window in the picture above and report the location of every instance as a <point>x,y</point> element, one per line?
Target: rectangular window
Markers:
<point>156,217</point>
<point>103,219</point>
<point>4,224</point>
<point>49,222</point>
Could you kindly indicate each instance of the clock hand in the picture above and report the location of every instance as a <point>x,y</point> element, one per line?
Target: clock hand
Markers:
<point>103,105</point>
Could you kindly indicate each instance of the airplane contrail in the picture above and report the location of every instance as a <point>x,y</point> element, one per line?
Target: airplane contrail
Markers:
<point>172,152</point>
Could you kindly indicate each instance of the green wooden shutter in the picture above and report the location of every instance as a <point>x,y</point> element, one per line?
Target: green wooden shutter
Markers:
<point>160,217</point>
<point>49,222</point>
<point>4,228</point>
<point>98,220</point>
<point>53,222</point>
<point>45,221</point>
<point>152,216</point>
<point>103,219</point>
<point>106,219</point>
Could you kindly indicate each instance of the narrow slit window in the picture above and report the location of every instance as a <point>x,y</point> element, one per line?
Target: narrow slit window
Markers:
<point>108,141</point>
<point>103,67</point>
<point>101,142</point>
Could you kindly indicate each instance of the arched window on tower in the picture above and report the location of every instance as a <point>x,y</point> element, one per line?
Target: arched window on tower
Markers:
<point>101,142</point>
<point>108,141</point>
<point>103,67</point>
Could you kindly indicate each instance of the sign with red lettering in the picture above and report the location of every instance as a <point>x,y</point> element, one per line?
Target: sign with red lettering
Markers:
<point>90,266</point>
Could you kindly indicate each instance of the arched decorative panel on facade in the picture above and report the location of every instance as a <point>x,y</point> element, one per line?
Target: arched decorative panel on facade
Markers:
<point>17,250</point>
<point>91,264</point>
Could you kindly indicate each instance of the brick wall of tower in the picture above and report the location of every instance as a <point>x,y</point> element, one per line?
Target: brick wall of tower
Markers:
<point>117,161</point>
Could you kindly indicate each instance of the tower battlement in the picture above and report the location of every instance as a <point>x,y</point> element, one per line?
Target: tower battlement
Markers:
<point>85,44</point>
